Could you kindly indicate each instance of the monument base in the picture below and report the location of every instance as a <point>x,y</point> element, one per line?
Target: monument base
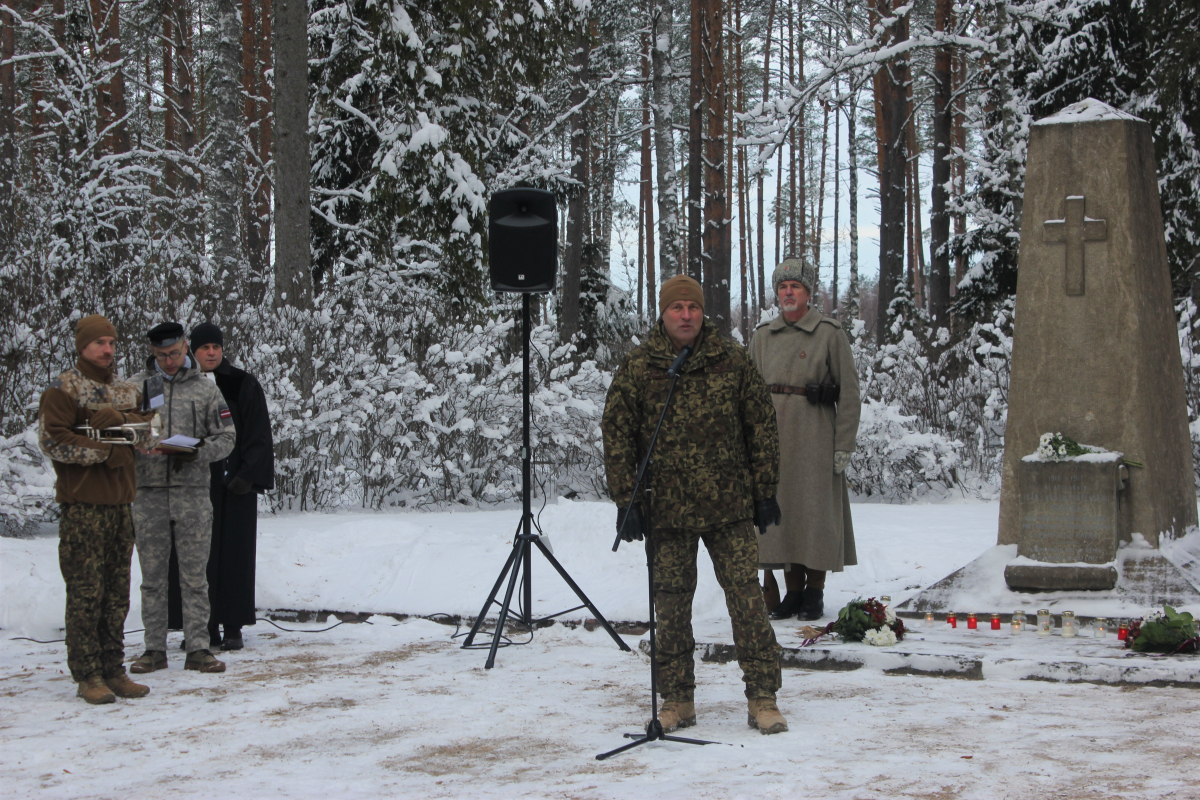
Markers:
<point>1146,579</point>
<point>1050,577</point>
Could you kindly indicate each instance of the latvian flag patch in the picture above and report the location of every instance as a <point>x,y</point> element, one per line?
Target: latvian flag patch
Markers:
<point>226,413</point>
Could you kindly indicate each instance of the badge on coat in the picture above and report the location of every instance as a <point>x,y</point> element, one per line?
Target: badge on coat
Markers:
<point>803,354</point>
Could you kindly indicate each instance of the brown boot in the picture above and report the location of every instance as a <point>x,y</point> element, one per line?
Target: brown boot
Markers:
<point>765,716</point>
<point>93,690</point>
<point>203,661</point>
<point>677,714</point>
<point>122,686</point>
<point>149,661</point>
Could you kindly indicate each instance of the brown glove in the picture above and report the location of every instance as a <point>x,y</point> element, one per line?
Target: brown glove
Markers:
<point>120,456</point>
<point>186,458</point>
<point>107,418</point>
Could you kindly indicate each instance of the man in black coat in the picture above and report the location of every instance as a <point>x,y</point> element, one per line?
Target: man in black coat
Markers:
<point>236,483</point>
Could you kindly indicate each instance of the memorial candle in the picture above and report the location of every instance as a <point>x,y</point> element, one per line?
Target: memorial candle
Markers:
<point>1043,622</point>
<point>995,622</point>
<point>952,618</point>
<point>1069,627</point>
<point>1018,621</point>
<point>928,619</point>
<point>972,622</point>
<point>1100,628</point>
<point>1123,630</point>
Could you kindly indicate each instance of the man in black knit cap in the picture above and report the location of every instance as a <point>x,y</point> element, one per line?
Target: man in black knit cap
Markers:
<point>237,480</point>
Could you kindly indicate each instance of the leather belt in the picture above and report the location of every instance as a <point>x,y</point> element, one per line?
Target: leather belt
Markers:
<point>783,388</point>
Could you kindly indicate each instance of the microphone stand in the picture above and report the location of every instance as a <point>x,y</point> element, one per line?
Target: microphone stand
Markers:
<point>654,729</point>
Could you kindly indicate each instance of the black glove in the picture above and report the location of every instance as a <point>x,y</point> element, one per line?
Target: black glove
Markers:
<point>187,458</point>
<point>630,528</point>
<point>240,485</point>
<point>766,512</point>
<point>107,418</point>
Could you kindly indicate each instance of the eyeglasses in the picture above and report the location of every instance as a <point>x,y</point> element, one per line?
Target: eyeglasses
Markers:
<point>164,357</point>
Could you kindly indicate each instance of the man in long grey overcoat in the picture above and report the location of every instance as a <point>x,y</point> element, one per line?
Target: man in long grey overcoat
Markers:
<point>805,360</point>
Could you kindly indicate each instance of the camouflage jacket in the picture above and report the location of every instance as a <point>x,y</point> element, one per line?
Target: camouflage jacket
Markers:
<point>89,471</point>
<point>718,450</point>
<point>192,406</point>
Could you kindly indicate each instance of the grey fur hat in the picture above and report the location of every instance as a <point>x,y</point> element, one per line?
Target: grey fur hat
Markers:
<point>795,269</point>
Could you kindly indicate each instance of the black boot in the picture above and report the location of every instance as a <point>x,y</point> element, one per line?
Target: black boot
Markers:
<point>813,604</point>
<point>214,636</point>
<point>233,639</point>
<point>787,608</point>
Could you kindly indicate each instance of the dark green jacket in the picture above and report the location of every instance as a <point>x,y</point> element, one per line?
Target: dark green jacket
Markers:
<point>718,452</point>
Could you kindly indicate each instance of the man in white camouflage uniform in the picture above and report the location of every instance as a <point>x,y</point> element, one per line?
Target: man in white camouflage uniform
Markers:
<point>173,502</point>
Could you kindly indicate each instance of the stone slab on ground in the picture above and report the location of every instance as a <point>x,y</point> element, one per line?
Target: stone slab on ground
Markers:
<point>1146,579</point>
<point>983,655</point>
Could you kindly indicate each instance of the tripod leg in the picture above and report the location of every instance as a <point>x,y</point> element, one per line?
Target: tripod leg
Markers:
<point>579,593</point>
<point>520,549</point>
<point>512,557</point>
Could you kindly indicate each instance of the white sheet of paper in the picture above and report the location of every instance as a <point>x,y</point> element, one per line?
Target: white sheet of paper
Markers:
<point>179,440</point>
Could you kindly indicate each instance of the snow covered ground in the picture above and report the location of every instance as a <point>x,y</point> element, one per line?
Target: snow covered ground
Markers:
<point>399,710</point>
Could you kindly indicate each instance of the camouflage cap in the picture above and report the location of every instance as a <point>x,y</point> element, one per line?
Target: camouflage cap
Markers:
<point>795,269</point>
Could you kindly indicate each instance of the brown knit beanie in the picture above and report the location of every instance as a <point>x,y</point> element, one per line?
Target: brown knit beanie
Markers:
<point>681,287</point>
<point>91,328</point>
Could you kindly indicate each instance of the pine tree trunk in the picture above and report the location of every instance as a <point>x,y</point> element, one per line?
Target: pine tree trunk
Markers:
<point>646,194</point>
<point>695,188</point>
<point>8,126</point>
<point>939,216</point>
<point>294,283</point>
<point>716,239</point>
<point>671,256</point>
<point>577,206</point>
<point>224,181</point>
<point>762,219</point>
<point>890,83</point>
<point>853,302</point>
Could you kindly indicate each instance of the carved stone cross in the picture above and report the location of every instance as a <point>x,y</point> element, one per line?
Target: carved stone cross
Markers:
<point>1074,231</point>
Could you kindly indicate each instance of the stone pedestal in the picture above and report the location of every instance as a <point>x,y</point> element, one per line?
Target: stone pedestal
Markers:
<point>1095,350</point>
<point>1070,523</point>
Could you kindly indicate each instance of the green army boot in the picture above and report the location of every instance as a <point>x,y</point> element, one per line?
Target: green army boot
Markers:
<point>203,661</point>
<point>122,686</point>
<point>677,714</point>
<point>765,716</point>
<point>148,661</point>
<point>93,690</point>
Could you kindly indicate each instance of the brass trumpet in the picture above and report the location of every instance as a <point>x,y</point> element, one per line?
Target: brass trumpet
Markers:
<point>122,434</point>
<point>131,433</point>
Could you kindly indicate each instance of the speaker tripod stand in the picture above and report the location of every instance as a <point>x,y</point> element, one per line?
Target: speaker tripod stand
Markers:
<point>520,560</point>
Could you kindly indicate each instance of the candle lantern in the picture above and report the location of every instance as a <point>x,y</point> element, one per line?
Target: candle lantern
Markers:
<point>995,622</point>
<point>1018,621</point>
<point>1069,626</point>
<point>885,600</point>
<point>1100,627</point>
<point>952,618</point>
<point>1122,630</point>
<point>928,619</point>
<point>1043,622</point>
<point>973,622</point>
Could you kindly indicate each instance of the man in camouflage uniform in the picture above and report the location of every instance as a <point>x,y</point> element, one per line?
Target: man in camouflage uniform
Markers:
<point>173,502</point>
<point>716,465</point>
<point>95,485</point>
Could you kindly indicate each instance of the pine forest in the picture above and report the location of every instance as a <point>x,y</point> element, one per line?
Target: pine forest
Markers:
<point>314,178</point>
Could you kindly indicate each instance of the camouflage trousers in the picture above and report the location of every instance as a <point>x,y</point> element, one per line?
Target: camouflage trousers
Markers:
<point>95,547</point>
<point>734,553</point>
<point>184,516</point>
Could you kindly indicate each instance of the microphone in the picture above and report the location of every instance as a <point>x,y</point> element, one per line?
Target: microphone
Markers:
<point>680,360</point>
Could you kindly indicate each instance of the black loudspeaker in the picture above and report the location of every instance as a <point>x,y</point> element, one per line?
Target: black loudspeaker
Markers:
<point>523,241</point>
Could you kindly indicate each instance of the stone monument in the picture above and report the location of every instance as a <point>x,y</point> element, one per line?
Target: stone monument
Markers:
<point>1095,356</point>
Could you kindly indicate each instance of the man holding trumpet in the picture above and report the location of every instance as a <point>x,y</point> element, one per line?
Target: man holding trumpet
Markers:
<point>95,485</point>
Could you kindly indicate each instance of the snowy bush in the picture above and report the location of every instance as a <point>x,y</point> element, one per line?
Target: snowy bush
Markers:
<point>26,485</point>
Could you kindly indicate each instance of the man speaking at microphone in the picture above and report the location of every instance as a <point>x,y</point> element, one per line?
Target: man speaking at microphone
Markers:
<point>715,470</point>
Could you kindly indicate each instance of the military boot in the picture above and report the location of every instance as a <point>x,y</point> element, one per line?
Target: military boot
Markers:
<point>149,661</point>
<point>677,714</point>
<point>203,661</point>
<point>93,690</point>
<point>788,606</point>
<point>813,604</point>
<point>123,687</point>
<point>764,715</point>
